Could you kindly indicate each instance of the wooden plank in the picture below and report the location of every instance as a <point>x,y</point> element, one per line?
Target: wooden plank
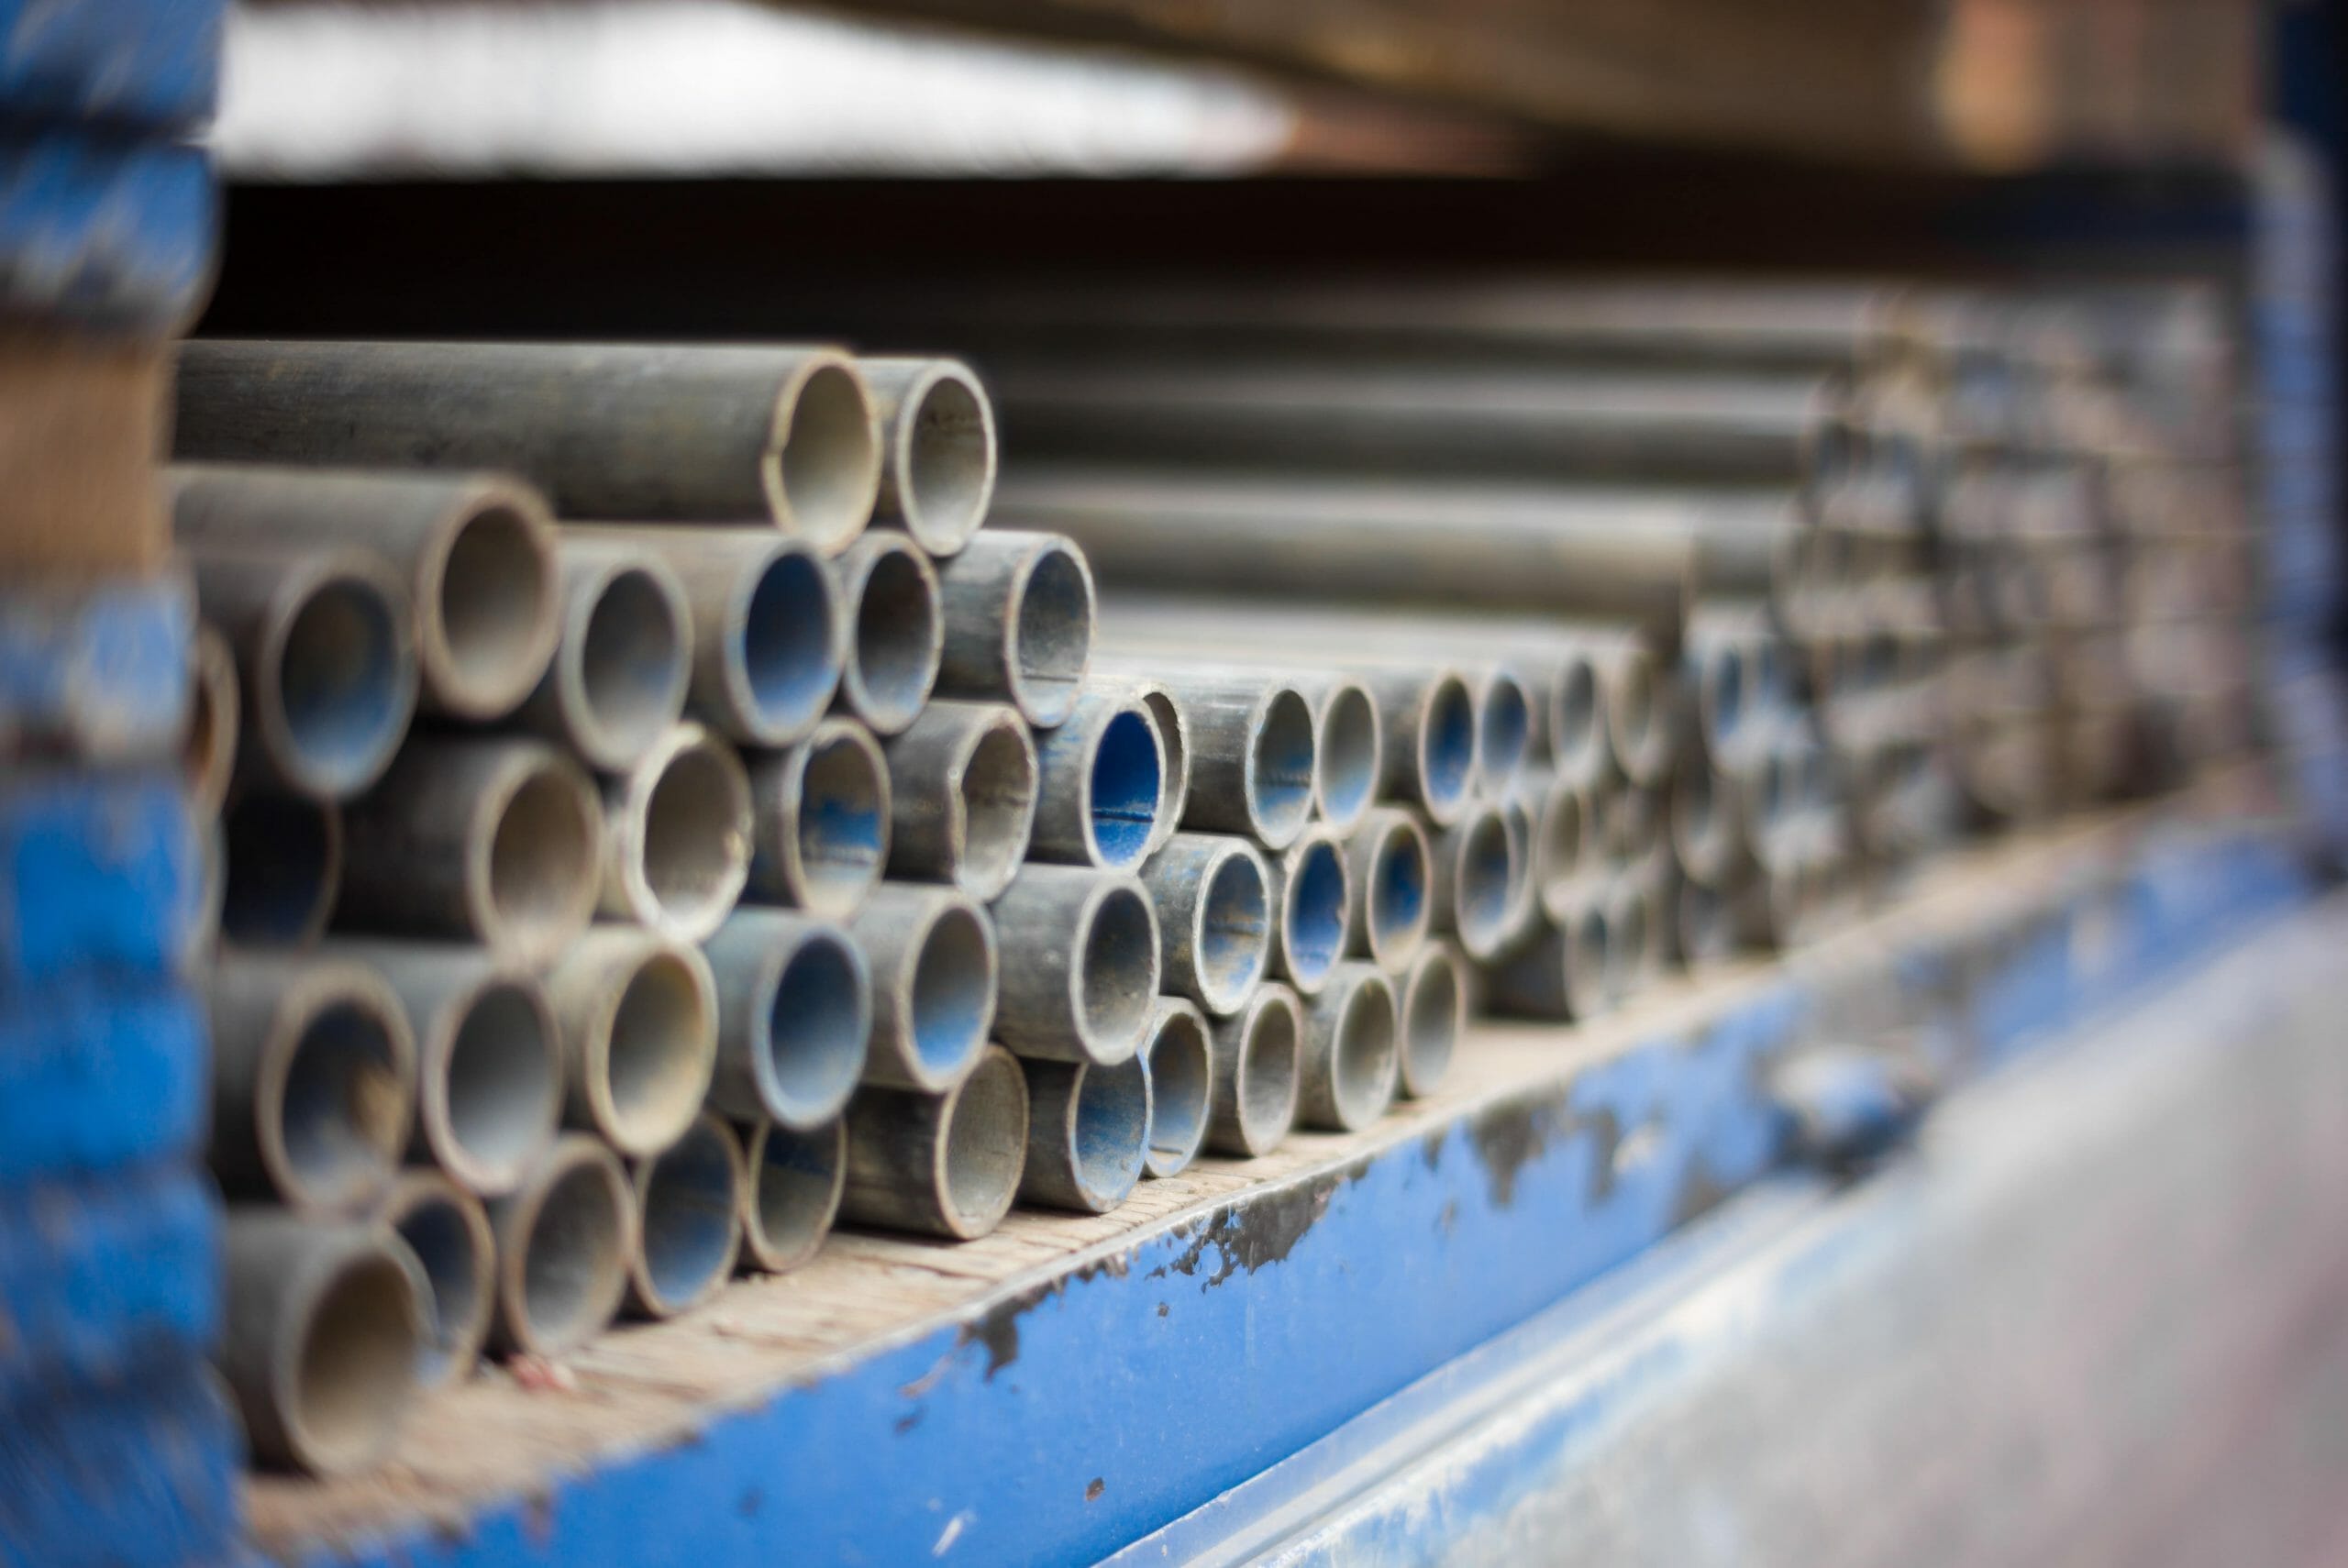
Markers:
<point>81,431</point>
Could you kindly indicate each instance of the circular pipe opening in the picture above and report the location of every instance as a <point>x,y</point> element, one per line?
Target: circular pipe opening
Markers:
<point>1052,634</point>
<point>1281,768</point>
<point>1116,983</point>
<point>815,1028</point>
<point>1447,746</point>
<point>790,635</point>
<point>1565,838</point>
<point>794,1191</point>
<point>952,991</point>
<point>1482,881</point>
<point>986,1143</point>
<point>343,1107</point>
<point>655,1065</point>
<point>284,863</point>
<point>893,654</point>
<point>995,800</point>
<point>1312,913</point>
<point>828,463</point>
<point>1109,1137</point>
<point>688,1232</point>
<point>696,851</point>
<point>842,832</point>
<point>354,1364</point>
<point>1504,731</point>
<point>1234,935</point>
<point>1180,1082</point>
<point>1127,790</point>
<point>631,664</point>
<point>945,462</point>
<point>451,1243</point>
<point>1347,756</point>
<point>574,1263</point>
<point>1397,891</point>
<point>500,1088</point>
<point>542,859</point>
<point>1575,717</point>
<point>1724,676</point>
<point>1434,1005</point>
<point>344,686</point>
<point>495,614</point>
<point>1361,1056</point>
<point>1267,1073</point>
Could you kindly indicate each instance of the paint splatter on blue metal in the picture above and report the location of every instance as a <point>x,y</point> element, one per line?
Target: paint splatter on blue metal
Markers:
<point>115,237</point>
<point>141,1477</point>
<point>101,673</point>
<point>150,65</point>
<point>102,1276</point>
<point>98,872</point>
<point>100,1074</point>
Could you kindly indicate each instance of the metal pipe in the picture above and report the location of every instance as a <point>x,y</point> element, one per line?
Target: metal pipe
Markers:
<point>1574,719</point>
<point>476,552</point>
<point>1566,847</point>
<point>446,1228</point>
<point>896,631</point>
<point>943,1164</point>
<point>688,1203</point>
<point>1179,1057</point>
<point>283,869</point>
<point>821,815</point>
<point>1019,619</point>
<point>1520,812</point>
<point>1352,1058</point>
<point>932,955</point>
<point>1312,898</point>
<point>1323,537</point>
<point>1088,1134</point>
<point>1252,743</point>
<point>676,833</point>
<point>1348,752</point>
<point>605,430</point>
<point>1478,874</point>
<point>1100,783</point>
<point>1390,868</point>
<point>962,789</point>
<point>208,747</point>
<point>790,1192</point>
<point>495,841</point>
<point>1087,976</point>
<point>1560,974</point>
<point>1212,895</point>
<point>1637,701</point>
<point>794,1009</point>
<point>638,1016</point>
<point>564,1237</point>
<point>1503,728</point>
<point>312,1076</point>
<point>1431,1004</point>
<point>325,661</point>
<point>622,660</point>
<point>768,626</point>
<point>489,1057</point>
<point>938,448</point>
<point>319,1338</point>
<point>1173,738</point>
<point>1702,926</point>
<point>1259,1060</point>
<point>1704,820</point>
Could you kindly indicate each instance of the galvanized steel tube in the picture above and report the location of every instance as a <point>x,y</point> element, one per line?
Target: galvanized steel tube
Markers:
<point>1312,908</point>
<point>963,780</point>
<point>1212,895</point>
<point>638,1015</point>
<point>932,955</point>
<point>1253,747</point>
<point>1179,1057</point>
<point>623,659</point>
<point>1390,868</point>
<point>821,821</point>
<point>790,1192</point>
<point>1352,1055</point>
<point>1101,783</point>
<point>564,1237</point>
<point>1431,1004</point>
<point>688,1204</point>
<point>1259,1064</point>
<point>1088,973</point>
<point>943,1164</point>
<point>1019,619</point>
<point>794,1011</point>
<point>1088,1134</point>
<point>677,830</point>
<point>1476,875</point>
<point>446,1230</point>
<point>889,596</point>
<point>938,448</point>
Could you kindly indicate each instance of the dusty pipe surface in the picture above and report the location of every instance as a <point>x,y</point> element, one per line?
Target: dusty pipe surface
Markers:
<point>1560,974</point>
<point>1101,783</point>
<point>794,1009</point>
<point>821,817</point>
<point>324,645</point>
<point>564,1237</point>
<point>1088,1134</point>
<point>446,1230</point>
<point>1352,1059</point>
<point>962,790</point>
<point>889,596</point>
<point>1503,728</point>
<point>1019,618</point>
<point>1429,721</point>
<point>476,552</point>
<point>688,1203</point>
<point>1174,741</point>
<point>1179,1057</point>
<point>281,868</point>
<point>1566,852</point>
<point>492,840</point>
<point>1270,538</point>
<point>1213,895</point>
<point>638,1016</point>
<point>313,1075</point>
<point>719,434</point>
<point>768,626</point>
<point>1258,1062</point>
<point>1252,743</point>
<point>932,955</point>
<point>208,747</point>
<point>1431,1004</point>
<point>1311,896</point>
<point>623,661</point>
<point>790,1192</point>
<point>489,1057</point>
<point>1390,867</point>
<point>943,1164</point>
<point>938,448</point>
<point>320,1333</point>
<point>677,830</point>
<point>1521,815</point>
<point>1478,873</point>
<point>1087,976</point>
